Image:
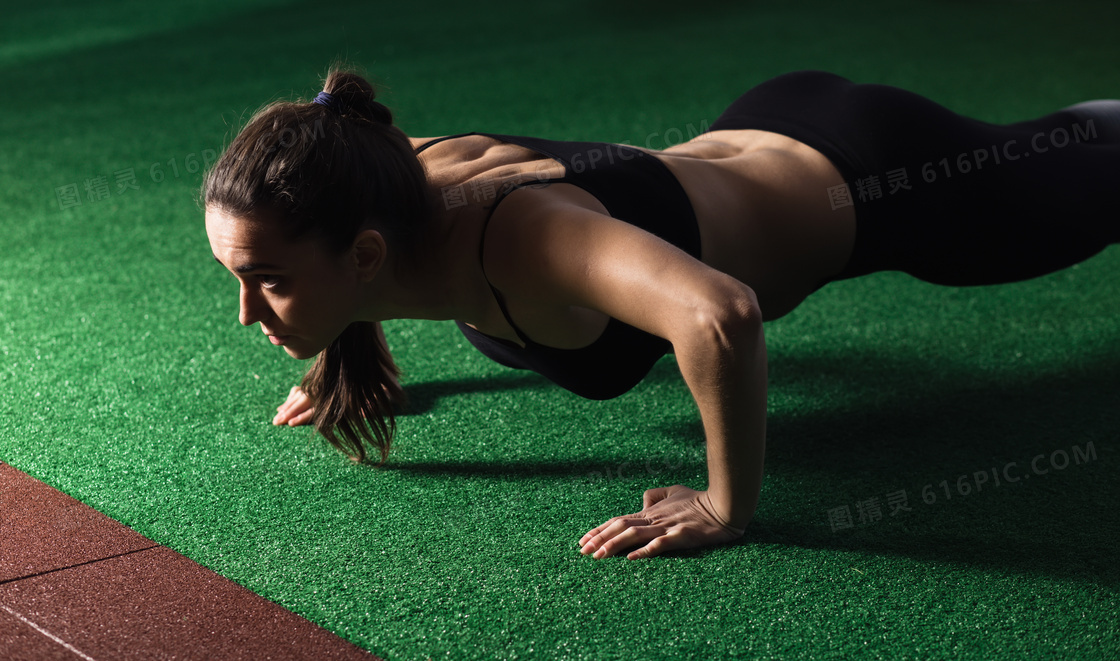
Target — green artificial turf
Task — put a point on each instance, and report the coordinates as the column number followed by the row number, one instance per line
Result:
column 126, row 381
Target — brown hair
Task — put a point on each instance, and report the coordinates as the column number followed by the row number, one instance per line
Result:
column 326, row 173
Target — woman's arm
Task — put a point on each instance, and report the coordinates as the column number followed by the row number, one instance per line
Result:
column 724, row 364
column 554, row 251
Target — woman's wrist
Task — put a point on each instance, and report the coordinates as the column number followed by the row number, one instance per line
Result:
column 734, row 520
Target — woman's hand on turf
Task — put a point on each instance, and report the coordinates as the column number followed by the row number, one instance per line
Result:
column 296, row 411
column 672, row 518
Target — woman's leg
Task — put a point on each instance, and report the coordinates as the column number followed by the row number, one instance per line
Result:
column 946, row 198
column 1105, row 115
column 956, row 201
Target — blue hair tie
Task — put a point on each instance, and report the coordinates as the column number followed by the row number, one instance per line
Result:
column 329, row 101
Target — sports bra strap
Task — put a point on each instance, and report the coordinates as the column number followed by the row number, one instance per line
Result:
column 498, row 297
column 533, row 144
column 446, row 137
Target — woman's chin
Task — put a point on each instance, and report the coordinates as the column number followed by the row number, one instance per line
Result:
column 300, row 351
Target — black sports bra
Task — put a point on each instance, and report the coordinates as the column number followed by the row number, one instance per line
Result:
column 637, row 188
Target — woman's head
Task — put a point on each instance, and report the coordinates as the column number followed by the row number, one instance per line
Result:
column 303, row 206
column 325, row 171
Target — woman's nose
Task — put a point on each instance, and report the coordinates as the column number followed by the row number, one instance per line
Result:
column 252, row 307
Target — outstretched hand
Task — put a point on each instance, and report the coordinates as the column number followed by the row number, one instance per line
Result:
column 672, row 518
column 297, row 410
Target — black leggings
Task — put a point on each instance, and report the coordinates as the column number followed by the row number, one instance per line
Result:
column 949, row 199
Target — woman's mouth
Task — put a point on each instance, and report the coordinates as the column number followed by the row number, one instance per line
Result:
column 278, row 339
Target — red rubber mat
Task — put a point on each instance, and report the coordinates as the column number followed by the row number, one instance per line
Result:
column 74, row 584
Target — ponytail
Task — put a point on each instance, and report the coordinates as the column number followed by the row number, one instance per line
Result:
column 354, row 386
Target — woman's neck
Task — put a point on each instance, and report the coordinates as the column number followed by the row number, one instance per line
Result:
column 440, row 279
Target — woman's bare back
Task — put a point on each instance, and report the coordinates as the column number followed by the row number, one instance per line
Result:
column 760, row 200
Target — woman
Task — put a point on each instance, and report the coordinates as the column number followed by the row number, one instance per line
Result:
column 587, row 262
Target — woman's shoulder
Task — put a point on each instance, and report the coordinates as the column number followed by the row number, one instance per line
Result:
column 475, row 167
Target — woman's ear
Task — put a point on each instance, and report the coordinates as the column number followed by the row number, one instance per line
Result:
column 369, row 254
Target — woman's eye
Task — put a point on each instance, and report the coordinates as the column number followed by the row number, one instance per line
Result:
column 269, row 281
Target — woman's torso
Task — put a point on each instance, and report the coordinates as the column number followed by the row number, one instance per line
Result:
column 760, row 200
column 762, row 205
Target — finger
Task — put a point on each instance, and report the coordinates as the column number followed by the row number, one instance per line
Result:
column 610, row 530
column 291, row 395
column 296, row 403
column 626, row 539
column 663, row 544
column 602, row 530
column 286, row 413
column 295, row 394
column 585, row 542
column 595, row 531
column 601, row 527
column 295, row 397
column 302, row 418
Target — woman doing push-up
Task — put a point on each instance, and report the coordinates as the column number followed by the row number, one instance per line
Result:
column 589, row 261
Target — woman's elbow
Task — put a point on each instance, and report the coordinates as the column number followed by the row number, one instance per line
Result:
column 732, row 321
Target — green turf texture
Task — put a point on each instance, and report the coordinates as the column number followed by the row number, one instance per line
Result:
column 126, row 381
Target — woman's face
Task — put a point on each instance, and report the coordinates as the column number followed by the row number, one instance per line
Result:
column 302, row 295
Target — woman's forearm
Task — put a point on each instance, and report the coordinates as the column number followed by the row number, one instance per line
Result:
column 724, row 365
